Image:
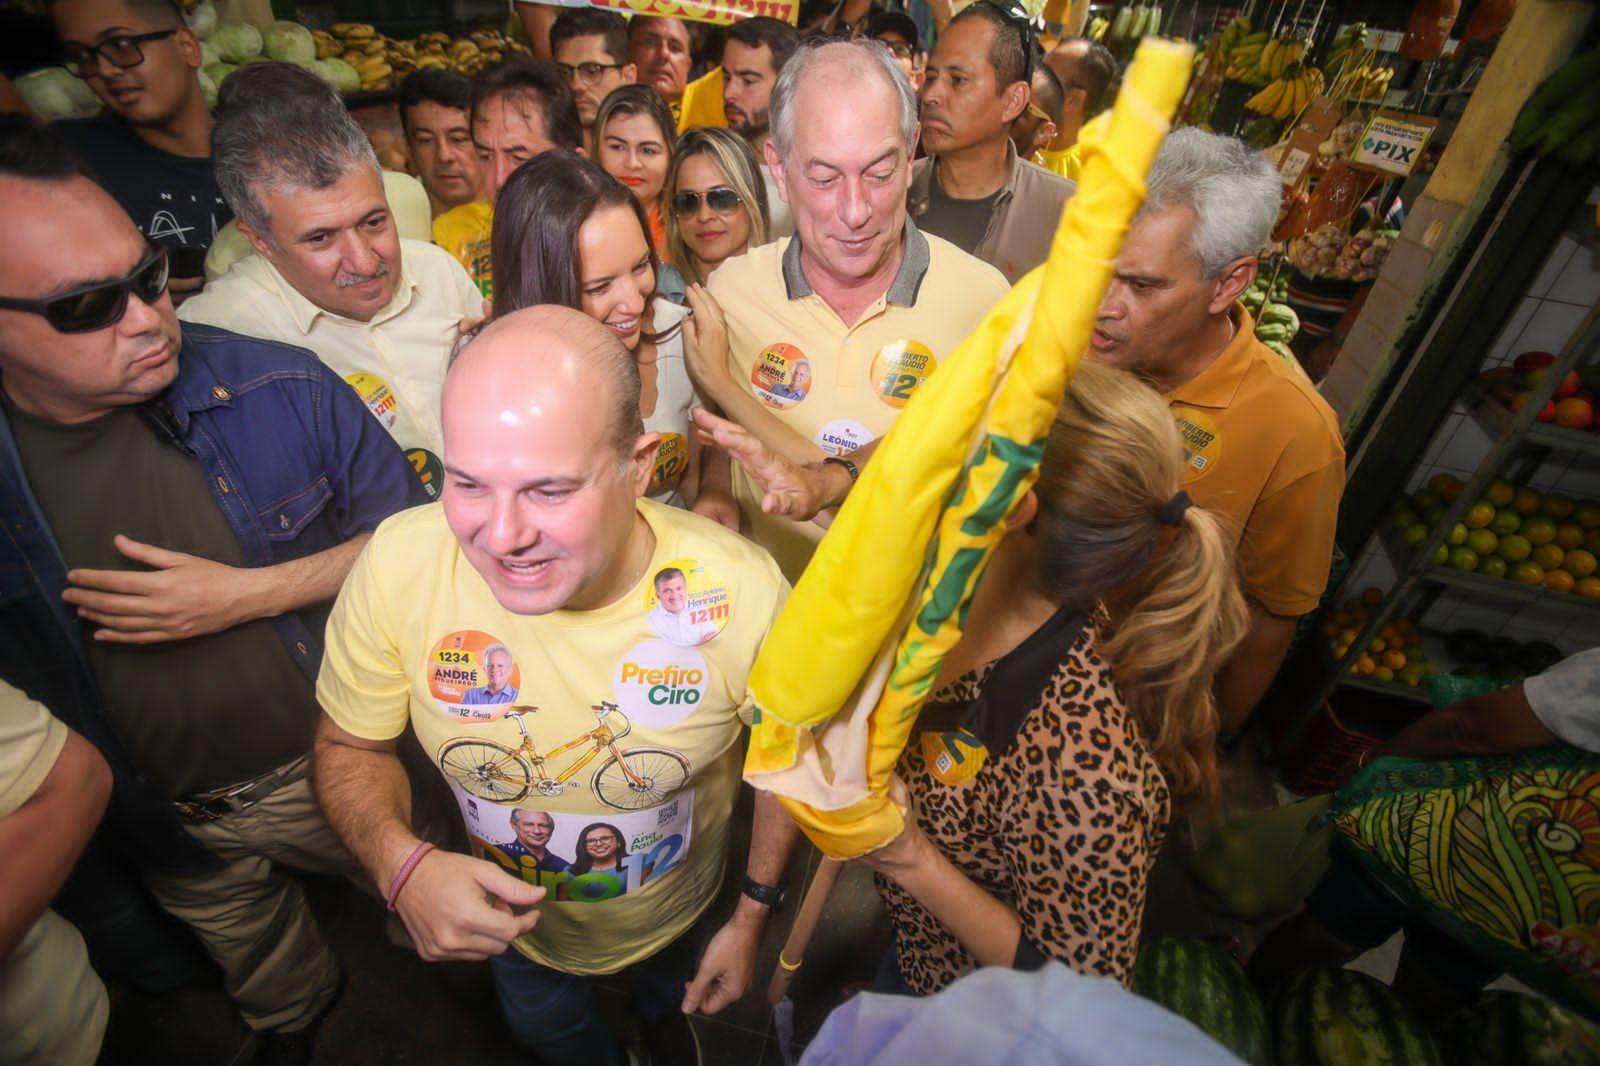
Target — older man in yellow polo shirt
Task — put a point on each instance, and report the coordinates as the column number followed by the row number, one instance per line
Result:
column 831, row 332
column 1262, row 446
column 330, row 272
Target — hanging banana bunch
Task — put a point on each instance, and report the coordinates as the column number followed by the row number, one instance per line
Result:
column 1290, row 94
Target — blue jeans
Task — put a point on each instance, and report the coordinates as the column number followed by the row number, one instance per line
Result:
column 553, row 1012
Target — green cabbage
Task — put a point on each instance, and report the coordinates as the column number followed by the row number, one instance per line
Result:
column 55, row 93
column 208, row 90
column 339, row 74
column 238, row 41
column 202, row 19
column 209, row 54
column 218, row 72
column 290, row 42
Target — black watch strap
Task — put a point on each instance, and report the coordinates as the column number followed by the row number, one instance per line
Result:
column 770, row 896
column 849, row 468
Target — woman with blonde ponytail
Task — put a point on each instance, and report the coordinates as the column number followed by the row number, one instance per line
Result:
column 1048, row 759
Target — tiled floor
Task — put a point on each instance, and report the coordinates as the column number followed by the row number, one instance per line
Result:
column 398, row 1009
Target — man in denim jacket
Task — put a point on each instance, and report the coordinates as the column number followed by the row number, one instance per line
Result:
column 180, row 506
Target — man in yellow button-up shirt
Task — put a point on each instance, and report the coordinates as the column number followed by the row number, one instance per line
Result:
column 330, row 272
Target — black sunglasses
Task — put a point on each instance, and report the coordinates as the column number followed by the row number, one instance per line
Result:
column 121, row 52
column 721, row 199
column 102, row 304
column 1014, row 14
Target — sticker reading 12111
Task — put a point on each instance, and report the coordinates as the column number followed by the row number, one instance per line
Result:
column 473, row 677
column 686, row 604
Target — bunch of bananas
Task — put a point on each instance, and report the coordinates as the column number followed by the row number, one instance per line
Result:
column 382, row 62
column 1097, row 28
column 1351, row 41
column 1289, row 95
column 1563, row 114
column 1241, row 57
column 1364, row 83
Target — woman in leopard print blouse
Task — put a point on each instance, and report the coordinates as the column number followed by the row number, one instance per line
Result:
column 1045, row 763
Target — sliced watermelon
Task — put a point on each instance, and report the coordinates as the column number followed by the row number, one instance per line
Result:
column 1508, row 1027
column 1199, row 982
column 1344, row 1018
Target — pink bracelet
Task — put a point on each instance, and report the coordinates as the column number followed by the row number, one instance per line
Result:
column 406, row 869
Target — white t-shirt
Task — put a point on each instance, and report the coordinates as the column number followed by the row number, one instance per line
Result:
column 675, row 398
column 1566, row 698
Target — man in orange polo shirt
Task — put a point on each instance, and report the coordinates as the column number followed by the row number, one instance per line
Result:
column 1262, row 446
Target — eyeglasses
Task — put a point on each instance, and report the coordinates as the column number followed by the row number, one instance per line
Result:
column 721, row 199
column 1038, row 112
column 100, row 305
column 898, row 49
column 585, row 73
column 123, row 52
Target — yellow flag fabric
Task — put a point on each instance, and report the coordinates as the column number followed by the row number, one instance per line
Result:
column 702, row 102
column 858, row 646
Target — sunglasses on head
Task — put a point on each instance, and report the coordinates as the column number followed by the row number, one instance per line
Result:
column 101, row 304
column 1014, row 14
column 722, row 200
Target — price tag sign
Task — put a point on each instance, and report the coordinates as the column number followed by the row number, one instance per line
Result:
column 1301, row 150
column 1392, row 142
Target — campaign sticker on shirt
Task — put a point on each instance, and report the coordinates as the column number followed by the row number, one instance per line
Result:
column 955, row 757
column 686, row 603
column 378, row 397
column 899, row 369
column 781, row 376
column 429, row 471
column 659, row 684
column 842, row 436
column 1202, row 443
column 584, row 858
column 473, row 676
column 672, row 462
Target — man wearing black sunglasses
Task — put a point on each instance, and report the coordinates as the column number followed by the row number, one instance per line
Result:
column 151, row 149
column 182, row 504
column 973, row 189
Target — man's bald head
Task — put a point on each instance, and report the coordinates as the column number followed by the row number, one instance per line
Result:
column 1086, row 69
column 537, row 348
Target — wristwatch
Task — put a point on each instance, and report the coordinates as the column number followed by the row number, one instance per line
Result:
column 769, row 896
column 849, row 468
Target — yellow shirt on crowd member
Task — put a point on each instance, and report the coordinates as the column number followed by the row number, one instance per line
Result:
column 842, row 386
column 1068, row 162
column 1264, row 448
column 408, row 203
column 465, row 232
column 396, row 361
column 53, row 1009
column 664, row 689
column 702, row 102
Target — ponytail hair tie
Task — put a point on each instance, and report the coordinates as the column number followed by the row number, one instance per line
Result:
column 1171, row 513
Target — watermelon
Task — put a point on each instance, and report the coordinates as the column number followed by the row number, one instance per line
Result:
column 1507, row 1027
column 1199, row 982
column 1345, row 1018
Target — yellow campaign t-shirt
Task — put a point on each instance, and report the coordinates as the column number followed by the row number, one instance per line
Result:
column 595, row 753
column 464, row 232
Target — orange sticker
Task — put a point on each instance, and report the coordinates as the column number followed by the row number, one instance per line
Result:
column 781, row 376
column 899, row 369
column 1202, row 443
column 473, row 676
column 672, row 462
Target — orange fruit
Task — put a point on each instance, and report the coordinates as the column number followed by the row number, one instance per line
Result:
column 1396, row 660
column 1494, row 566
column 1514, row 548
column 1558, row 507
column 1365, row 665
column 1539, row 530
column 1548, row 556
column 1589, row 587
column 1483, row 541
column 1579, row 563
column 1441, row 555
column 1377, row 645
column 1559, row 580
column 1505, row 521
column 1383, row 673
column 1591, row 541
column 1588, row 515
column 1501, row 493
column 1463, row 558
column 1527, row 572
column 1528, row 501
column 1479, row 515
column 1569, row 535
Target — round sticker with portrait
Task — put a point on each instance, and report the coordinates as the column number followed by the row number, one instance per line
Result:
column 781, row 376
column 378, row 397
column 899, row 369
column 672, row 462
column 686, row 604
column 473, row 676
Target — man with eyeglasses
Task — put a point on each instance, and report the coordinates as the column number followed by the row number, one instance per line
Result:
column 898, row 33
column 182, row 504
column 591, row 52
column 330, row 271
column 973, row 189
column 753, row 56
column 151, row 149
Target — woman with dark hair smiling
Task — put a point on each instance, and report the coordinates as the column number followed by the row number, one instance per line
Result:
column 600, row 847
column 568, row 233
column 633, row 136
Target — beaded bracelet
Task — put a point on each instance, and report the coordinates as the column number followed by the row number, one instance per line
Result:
column 406, row 869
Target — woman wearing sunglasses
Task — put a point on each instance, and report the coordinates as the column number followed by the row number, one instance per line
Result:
column 633, row 134
column 568, row 233
column 717, row 204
